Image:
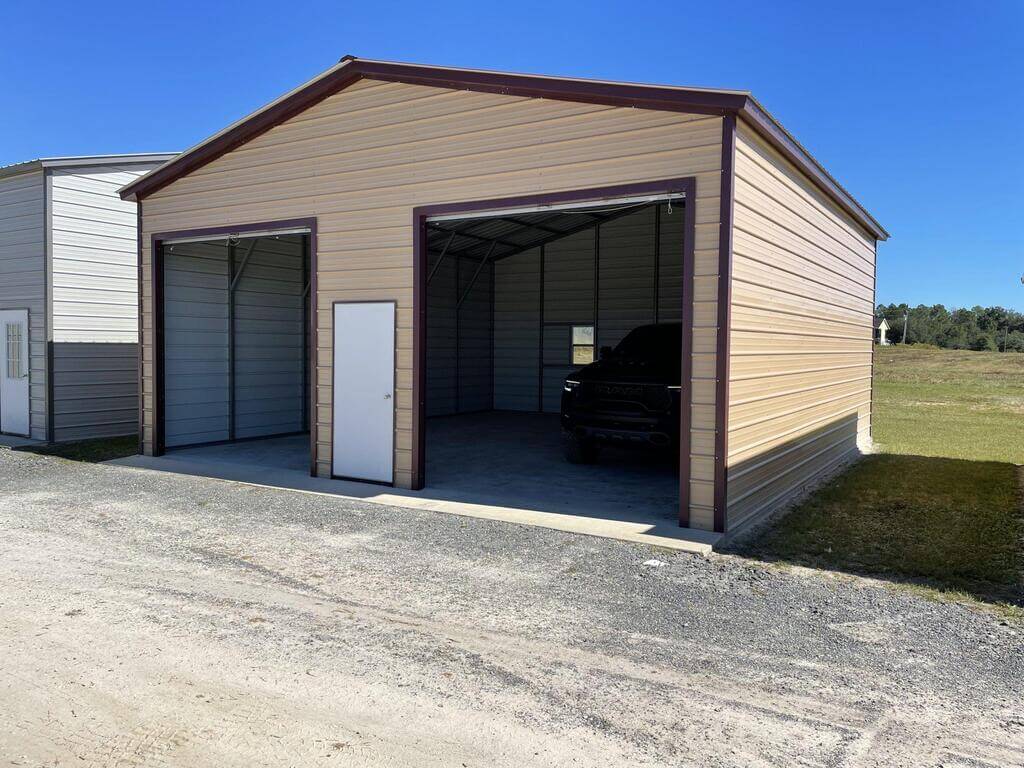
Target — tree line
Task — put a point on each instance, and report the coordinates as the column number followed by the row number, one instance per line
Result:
column 993, row 329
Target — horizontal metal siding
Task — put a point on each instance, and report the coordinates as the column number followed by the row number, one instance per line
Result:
column 93, row 254
column 801, row 330
column 95, row 390
column 362, row 159
column 196, row 343
column 23, row 278
column 268, row 306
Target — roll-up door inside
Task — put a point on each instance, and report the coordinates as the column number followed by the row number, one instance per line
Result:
column 235, row 339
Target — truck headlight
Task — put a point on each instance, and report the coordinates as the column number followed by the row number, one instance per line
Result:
column 570, row 385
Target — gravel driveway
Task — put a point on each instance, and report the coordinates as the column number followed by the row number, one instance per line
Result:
column 148, row 619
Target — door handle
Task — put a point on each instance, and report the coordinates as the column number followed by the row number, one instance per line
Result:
column 387, row 395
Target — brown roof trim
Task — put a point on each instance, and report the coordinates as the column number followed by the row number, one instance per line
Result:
column 769, row 128
column 658, row 97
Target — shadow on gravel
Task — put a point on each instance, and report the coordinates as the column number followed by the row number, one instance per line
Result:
column 945, row 524
column 92, row 451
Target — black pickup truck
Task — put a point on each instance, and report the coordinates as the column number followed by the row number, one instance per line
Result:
column 629, row 397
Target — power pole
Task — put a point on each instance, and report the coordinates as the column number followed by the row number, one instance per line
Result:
column 905, row 316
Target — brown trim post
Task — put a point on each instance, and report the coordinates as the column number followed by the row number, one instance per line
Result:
column 141, row 331
column 156, row 258
column 722, row 342
column 686, row 374
column 687, row 186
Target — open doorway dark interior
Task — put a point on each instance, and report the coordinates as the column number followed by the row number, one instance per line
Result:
column 516, row 303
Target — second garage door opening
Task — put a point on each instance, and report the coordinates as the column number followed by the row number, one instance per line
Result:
column 236, row 347
column 519, row 304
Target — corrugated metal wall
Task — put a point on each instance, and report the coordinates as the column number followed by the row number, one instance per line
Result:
column 801, row 333
column 362, row 159
column 621, row 268
column 517, row 332
column 95, row 390
column 269, row 322
column 458, row 383
column 267, row 332
column 93, row 249
column 23, row 277
column 93, row 261
column 196, row 401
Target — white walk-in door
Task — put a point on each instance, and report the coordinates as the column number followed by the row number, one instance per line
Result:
column 14, row 377
column 364, row 390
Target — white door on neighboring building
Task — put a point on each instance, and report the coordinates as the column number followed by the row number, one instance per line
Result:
column 364, row 391
column 14, row 376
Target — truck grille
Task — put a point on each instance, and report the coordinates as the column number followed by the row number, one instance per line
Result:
column 625, row 397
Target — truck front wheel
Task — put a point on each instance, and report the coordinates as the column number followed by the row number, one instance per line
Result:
column 579, row 450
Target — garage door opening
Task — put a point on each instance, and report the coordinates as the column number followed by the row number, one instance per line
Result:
column 518, row 302
column 236, row 348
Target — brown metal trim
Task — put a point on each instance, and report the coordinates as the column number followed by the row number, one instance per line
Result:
column 686, row 377
column 394, row 389
column 156, row 260
column 637, row 96
column 157, row 279
column 140, row 315
column 780, row 138
column 314, row 348
column 674, row 99
column 687, row 186
column 419, row 351
column 722, row 342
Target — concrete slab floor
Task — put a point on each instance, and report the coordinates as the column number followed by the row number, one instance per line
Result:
column 497, row 465
column 14, row 441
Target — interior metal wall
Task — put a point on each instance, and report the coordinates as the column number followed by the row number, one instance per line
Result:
column 269, row 352
column 195, row 343
column 459, row 337
column 636, row 278
column 234, row 362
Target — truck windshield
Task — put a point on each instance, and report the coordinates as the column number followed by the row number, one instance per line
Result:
column 651, row 342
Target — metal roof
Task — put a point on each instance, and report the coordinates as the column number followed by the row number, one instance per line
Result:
column 28, row 166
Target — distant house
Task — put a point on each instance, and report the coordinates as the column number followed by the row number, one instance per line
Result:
column 69, row 297
column 880, row 332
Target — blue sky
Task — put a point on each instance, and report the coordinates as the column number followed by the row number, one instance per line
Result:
column 914, row 107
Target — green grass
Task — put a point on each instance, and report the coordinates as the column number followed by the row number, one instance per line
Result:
column 940, row 506
column 90, row 450
column 937, row 402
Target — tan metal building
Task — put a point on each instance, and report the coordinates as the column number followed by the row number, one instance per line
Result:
column 299, row 252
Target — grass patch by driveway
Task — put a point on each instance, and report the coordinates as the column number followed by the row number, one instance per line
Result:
column 103, row 449
column 941, row 504
column 954, row 523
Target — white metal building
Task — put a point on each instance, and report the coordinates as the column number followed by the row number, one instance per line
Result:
column 69, row 297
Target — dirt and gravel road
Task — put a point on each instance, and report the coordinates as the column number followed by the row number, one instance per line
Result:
column 153, row 620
